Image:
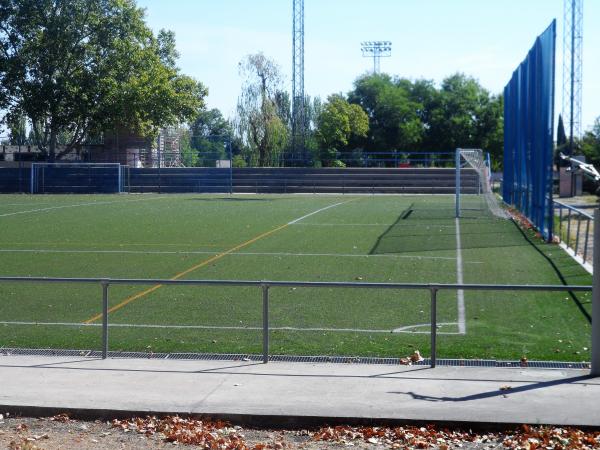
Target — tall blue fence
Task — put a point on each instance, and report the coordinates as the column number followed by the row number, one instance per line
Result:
column 529, row 134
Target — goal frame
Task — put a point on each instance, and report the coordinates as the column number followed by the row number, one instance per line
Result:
column 36, row 166
column 458, row 163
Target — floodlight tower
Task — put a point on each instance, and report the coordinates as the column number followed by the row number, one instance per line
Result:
column 298, row 100
column 376, row 50
column 572, row 67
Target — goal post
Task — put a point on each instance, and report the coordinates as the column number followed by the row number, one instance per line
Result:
column 75, row 177
column 473, row 188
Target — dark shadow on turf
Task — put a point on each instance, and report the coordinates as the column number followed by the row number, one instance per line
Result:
column 556, row 270
column 419, row 230
column 232, row 199
column 379, row 243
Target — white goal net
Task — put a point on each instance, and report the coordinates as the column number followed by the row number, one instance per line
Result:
column 474, row 194
column 77, row 178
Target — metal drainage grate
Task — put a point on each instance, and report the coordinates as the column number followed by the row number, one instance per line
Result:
column 294, row 358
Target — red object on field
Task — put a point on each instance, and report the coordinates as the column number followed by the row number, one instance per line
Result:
column 404, row 165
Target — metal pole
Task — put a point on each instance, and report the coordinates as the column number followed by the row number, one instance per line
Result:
column 596, row 299
column 587, row 237
column 457, row 183
column 433, row 327
column 577, row 237
column 32, row 174
column 568, row 227
column 560, row 226
column 230, row 168
column 572, row 91
column 104, row 285
column 265, row 290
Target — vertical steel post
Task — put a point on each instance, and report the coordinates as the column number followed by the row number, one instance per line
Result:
column 457, row 183
column 230, row 167
column 587, row 238
column 569, row 227
column 104, row 285
column 578, row 230
column 119, row 181
column 433, row 326
column 265, row 291
column 596, row 299
column 560, row 221
column 32, row 175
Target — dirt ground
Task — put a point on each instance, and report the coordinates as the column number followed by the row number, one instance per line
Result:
column 60, row 432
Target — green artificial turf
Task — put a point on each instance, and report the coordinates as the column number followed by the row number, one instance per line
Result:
column 361, row 238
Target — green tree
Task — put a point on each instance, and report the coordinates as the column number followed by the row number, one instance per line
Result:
column 465, row 114
column 394, row 123
column 590, row 144
column 261, row 129
column 80, row 67
column 338, row 123
column 18, row 130
column 211, row 134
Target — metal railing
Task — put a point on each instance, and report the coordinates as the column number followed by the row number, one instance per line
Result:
column 266, row 285
column 574, row 218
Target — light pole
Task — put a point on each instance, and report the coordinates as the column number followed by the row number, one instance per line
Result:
column 376, row 50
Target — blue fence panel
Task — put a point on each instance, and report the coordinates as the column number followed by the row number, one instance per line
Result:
column 529, row 134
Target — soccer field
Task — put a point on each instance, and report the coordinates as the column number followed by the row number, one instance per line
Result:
column 368, row 238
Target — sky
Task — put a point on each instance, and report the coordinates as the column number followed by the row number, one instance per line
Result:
column 430, row 39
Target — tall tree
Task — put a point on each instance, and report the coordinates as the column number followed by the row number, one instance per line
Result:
column 337, row 124
column 18, row 130
column 455, row 120
column 259, row 125
column 590, row 144
column 393, row 115
column 80, row 67
column 210, row 136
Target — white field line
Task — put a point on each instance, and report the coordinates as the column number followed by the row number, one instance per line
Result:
column 295, row 221
column 50, row 208
column 156, row 252
column 408, row 328
column 232, row 328
column 460, row 294
column 370, row 225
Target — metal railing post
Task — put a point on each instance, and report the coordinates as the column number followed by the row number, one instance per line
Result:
column 595, row 366
column 587, row 238
column 433, row 326
column 265, row 291
column 104, row 285
column 560, row 226
column 569, row 227
column 578, row 231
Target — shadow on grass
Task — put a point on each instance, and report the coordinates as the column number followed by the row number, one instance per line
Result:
column 555, row 266
column 232, row 199
column 419, row 230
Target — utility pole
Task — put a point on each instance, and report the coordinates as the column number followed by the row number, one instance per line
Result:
column 298, row 100
column 572, row 68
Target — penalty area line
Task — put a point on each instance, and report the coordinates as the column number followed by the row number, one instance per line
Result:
column 208, row 261
column 51, row 208
column 199, row 252
column 405, row 329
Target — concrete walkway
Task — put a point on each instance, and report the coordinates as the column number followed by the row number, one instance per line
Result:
column 298, row 394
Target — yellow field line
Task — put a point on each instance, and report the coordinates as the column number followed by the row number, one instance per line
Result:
column 206, row 262
column 185, row 272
